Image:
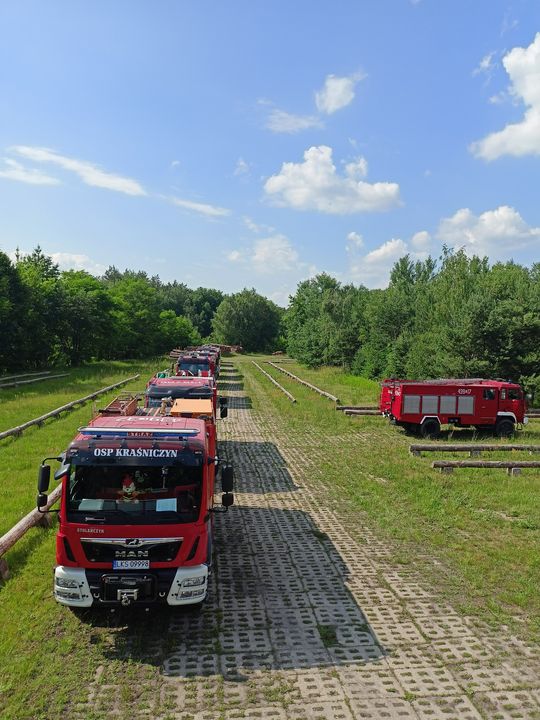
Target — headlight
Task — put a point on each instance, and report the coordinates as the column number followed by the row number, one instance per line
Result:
column 68, row 595
column 65, row 583
column 194, row 581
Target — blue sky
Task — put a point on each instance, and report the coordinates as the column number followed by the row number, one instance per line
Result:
column 257, row 143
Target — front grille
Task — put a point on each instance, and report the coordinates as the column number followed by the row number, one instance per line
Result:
column 107, row 551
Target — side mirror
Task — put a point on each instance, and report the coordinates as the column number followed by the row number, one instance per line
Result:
column 227, row 499
column 227, row 479
column 223, row 412
column 41, row 500
column 44, row 478
column 223, row 401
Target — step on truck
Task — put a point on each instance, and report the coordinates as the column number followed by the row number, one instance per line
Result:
column 421, row 407
column 137, row 507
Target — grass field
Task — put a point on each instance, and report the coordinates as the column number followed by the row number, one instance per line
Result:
column 483, row 524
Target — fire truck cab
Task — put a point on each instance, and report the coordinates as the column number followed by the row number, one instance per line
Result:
column 136, row 509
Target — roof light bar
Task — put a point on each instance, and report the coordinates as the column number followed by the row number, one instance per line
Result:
column 139, row 432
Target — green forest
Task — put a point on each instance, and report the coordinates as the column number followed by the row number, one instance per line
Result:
column 456, row 316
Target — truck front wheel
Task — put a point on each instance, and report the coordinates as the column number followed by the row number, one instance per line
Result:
column 504, row 428
column 430, row 428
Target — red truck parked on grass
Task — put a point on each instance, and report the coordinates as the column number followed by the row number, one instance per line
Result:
column 137, row 504
column 423, row 406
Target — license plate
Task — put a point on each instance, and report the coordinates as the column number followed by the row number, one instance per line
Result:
column 131, row 564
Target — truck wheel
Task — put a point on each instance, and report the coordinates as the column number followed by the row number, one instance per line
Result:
column 430, row 428
column 504, row 428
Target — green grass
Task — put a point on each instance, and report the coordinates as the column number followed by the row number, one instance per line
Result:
column 47, row 655
column 482, row 525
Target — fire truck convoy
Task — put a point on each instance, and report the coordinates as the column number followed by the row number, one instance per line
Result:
column 422, row 407
column 137, row 502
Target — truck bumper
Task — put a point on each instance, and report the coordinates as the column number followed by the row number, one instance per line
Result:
column 82, row 588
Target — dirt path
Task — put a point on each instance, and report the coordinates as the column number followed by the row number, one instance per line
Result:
column 309, row 616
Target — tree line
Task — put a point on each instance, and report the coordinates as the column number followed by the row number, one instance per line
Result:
column 49, row 317
column 453, row 317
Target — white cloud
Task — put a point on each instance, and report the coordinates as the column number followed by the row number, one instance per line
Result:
column 274, row 254
column 70, row 261
column 280, row 121
column 88, row 173
column 354, row 241
column 495, row 233
column 257, row 227
column 175, row 163
column 315, row 185
column 486, row 65
column 202, row 208
column 421, row 241
column 242, row 167
column 521, row 138
column 358, row 168
column 337, row 92
column 271, row 255
column 373, row 269
column 17, row 171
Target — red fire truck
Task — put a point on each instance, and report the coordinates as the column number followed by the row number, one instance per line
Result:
column 196, row 364
column 176, row 386
column 137, row 504
column 422, row 407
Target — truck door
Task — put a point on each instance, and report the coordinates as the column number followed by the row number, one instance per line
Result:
column 488, row 405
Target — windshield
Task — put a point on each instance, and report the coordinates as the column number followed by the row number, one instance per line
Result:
column 134, row 494
column 194, row 367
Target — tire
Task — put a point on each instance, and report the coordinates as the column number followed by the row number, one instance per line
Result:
column 504, row 428
column 430, row 428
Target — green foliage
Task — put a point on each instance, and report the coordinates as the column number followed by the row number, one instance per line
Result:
column 49, row 317
column 247, row 319
column 461, row 319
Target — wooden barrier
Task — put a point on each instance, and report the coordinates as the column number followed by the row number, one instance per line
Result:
column 23, row 375
column 346, row 408
column 33, row 518
column 473, row 449
column 362, row 412
column 40, row 420
column 275, row 382
column 513, row 467
column 304, row 382
column 16, row 383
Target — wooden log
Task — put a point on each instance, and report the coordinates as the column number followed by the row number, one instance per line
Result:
column 16, row 383
column 23, row 375
column 486, row 464
column 361, row 412
column 275, row 382
column 345, row 408
column 470, row 447
column 304, row 382
column 53, row 413
column 33, row 518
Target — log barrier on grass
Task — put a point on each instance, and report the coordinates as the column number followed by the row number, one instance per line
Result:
column 275, row 382
column 40, row 420
column 304, row 382
column 475, row 449
column 513, row 467
column 16, row 383
column 346, row 408
column 33, row 518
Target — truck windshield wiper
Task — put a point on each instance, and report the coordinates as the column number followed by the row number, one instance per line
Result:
column 89, row 519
